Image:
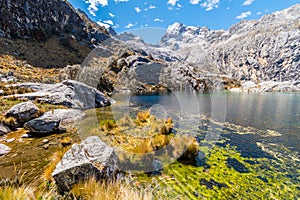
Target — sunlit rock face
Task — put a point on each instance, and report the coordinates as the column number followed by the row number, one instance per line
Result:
column 256, row 50
column 41, row 19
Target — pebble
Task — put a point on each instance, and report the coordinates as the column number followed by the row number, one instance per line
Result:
column 25, row 135
column 10, row 140
column 45, row 141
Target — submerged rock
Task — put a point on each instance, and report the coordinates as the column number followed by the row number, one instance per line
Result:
column 91, row 158
column 54, row 121
column 209, row 184
column 4, row 149
column 235, row 164
column 23, row 112
column 70, row 93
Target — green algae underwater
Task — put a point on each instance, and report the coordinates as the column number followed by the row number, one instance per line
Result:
column 243, row 162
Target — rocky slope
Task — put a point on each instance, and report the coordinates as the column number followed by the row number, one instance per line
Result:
column 29, row 28
column 262, row 50
column 265, row 50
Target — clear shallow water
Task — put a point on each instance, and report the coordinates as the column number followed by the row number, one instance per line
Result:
column 278, row 112
column 248, row 144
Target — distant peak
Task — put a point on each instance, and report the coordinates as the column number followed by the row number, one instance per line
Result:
column 175, row 28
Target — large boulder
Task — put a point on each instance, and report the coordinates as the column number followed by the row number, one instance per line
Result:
column 91, row 158
column 70, row 93
column 54, row 121
column 4, row 130
column 23, row 112
column 4, row 149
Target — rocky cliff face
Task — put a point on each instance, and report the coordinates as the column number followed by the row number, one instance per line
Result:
column 47, row 33
column 262, row 50
column 40, row 19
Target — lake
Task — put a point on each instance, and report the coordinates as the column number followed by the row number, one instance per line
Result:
column 249, row 143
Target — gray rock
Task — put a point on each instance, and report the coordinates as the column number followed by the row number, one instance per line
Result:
column 91, row 158
column 43, row 126
column 4, row 130
column 54, row 121
column 70, row 93
column 4, row 149
column 32, row 86
column 23, row 112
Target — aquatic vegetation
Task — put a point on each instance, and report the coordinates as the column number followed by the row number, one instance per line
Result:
column 108, row 125
column 216, row 180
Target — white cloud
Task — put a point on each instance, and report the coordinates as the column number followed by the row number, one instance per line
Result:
column 137, row 9
column 179, row 5
column 111, row 15
column 121, row 1
column 109, row 22
column 244, row 15
column 227, row 8
column 194, row 2
column 248, row 2
column 152, row 7
column 172, row 2
column 259, row 13
column 210, row 4
column 93, row 7
column 103, row 24
column 158, row 20
column 129, row 25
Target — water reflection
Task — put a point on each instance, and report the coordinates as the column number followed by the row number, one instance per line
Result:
column 264, row 111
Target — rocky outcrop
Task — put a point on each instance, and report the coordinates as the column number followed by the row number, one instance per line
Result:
column 262, row 50
column 70, row 93
column 270, row 86
column 258, row 50
column 42, row 19
column 23, row 112
column 91, row 158
column 4, row 130
column 53, row 121
column 4, row 149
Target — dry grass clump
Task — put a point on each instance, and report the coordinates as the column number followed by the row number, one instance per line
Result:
column 24, row 72
column 142, row 118
column 108, row 125
column 8, row 121
column 17, row 193
column 10, row 90
column 66, row 141
column 93, row 189
column 55, row 159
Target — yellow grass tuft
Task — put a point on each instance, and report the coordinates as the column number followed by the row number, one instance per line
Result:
column 66, row 141
column 8, row 121
column 108, row 125
column 13, row 193
column 142, row 117
column 93, row 189
column 55, row 159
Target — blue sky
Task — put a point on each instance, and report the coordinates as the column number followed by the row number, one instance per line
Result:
column 128, row 15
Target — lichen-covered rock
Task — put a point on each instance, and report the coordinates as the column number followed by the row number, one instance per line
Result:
column 53, row 121
column 70, row 93
column 4, row 130
column 91, row 158
column 4, row 149
column 23, row 112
